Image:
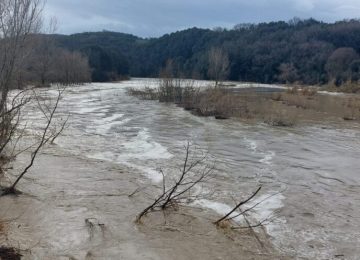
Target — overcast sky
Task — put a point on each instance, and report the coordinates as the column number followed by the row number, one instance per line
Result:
column 150, row 18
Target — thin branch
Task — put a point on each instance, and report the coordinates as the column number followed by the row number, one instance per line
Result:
column 237, row 206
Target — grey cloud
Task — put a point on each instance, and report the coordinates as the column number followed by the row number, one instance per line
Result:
column 155, row 17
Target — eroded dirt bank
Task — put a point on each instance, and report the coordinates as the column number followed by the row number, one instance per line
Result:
column 74, row 208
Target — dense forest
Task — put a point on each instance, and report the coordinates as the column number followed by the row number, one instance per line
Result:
column 302, row 51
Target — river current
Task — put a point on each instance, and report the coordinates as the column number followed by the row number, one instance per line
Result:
column 310, row 174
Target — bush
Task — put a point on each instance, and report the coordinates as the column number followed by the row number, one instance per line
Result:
column 144, row 94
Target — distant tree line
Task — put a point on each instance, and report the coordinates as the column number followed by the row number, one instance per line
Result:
column 46, row 63
column 301, row 51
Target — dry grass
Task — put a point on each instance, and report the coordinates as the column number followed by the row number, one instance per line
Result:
column 280, row 118
column 276, row 109
column 281, row 108
column 343, row 106
column 347, row 87
column 304, row 91
column 144, row 94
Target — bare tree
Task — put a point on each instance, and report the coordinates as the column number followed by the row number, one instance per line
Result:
column 48, row 134
column 287, row 73
column 11, row 119
column 72, row 68
column 218, row 65
column 19, row 21
column 18, row 18
column 43, row 56
column 338, row 65
column 192, row 174
column 168, row 83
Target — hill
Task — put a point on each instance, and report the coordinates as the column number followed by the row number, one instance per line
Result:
column 303, row 51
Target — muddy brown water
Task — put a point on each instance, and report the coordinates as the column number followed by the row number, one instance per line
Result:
column 76, row 206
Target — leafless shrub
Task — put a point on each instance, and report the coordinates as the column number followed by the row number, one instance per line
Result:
column 280, row 118
column 168, row 84
column 175, row 90
column 292, row 90
column 309, row 91
column 207, row 101
column 190, row 95
column 244, row 209
column 230, row 216
column 194, row 172
column 49, row 133
column 221, row 103
column 146, row 93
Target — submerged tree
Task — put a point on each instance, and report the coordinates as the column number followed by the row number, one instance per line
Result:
column 19, row 18
column 20, row 23
column 193, row 173
column 218, row 65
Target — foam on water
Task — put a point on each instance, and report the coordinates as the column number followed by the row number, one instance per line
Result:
column 220, row 208
column 105, row 124
column 262, row 208
column 105, row 127
column 135, row 152
column 251, row 144
column 154, row 175
column 87, row 110
column 144, row 147
column 265, row 207
column 268, row 158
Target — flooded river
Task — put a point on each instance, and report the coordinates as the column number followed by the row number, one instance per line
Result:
column 310, row 174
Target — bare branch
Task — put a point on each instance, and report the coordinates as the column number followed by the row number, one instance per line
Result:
column 180, row 191
column 226, row 217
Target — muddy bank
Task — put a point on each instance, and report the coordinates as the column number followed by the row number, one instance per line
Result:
column 75, row 208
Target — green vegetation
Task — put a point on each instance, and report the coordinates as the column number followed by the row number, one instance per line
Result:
column 301, row 51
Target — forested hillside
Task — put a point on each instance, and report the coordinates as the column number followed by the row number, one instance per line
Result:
column 303, row 51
